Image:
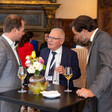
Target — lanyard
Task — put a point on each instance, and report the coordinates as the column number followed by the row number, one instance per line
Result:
column 53, row 63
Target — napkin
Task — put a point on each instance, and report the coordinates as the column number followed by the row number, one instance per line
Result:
column 51, row 94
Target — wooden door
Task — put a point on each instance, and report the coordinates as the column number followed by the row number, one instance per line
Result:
column 104, row 15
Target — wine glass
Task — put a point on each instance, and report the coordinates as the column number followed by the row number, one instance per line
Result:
column 22, row 72
column 56, row 73
column 68, row 75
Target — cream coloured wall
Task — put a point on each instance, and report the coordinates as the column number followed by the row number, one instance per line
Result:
column 70, row 9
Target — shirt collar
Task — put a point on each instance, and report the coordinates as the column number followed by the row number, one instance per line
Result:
column 92, row 37
column 58, row 50
column 9, row 41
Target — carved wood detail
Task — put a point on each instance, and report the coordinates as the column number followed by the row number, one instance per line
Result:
column 104, row 3
column 38, row 14
column 105, row 15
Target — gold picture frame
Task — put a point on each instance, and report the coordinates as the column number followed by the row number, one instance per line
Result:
column 24, row 2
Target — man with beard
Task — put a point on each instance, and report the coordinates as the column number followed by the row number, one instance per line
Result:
column 99, row 65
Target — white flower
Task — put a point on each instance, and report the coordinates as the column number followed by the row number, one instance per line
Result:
column 35, row 64
column 27, row 57
column 31, row 69
column 28, row 63
column 38, row 66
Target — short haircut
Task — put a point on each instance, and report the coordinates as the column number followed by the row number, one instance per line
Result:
column 12, row 21
column 83, row 22
column 59, row 30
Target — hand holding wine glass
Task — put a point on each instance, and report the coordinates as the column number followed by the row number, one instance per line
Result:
column 22, row 72
column 68, row 74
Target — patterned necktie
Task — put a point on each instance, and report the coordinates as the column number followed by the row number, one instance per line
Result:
column 53, row 53
column 89, row 45
column 51, row 68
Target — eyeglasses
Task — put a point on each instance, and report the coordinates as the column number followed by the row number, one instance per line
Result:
column 48, row 37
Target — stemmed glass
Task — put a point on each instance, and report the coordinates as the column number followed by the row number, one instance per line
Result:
column 22, row 72
column 68, row 74
column 56, row 73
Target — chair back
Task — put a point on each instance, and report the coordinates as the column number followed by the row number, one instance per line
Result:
column 82, row 57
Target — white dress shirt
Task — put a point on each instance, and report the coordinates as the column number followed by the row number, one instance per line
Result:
column 91, row 39
column 57, row 62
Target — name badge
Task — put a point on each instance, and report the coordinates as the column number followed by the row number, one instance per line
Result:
column 49, row 78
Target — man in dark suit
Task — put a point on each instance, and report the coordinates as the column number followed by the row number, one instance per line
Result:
column 64, row 57
column 99, row 65
column 9, row 61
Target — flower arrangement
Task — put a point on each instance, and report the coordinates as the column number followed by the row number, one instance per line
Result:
column 35, row 64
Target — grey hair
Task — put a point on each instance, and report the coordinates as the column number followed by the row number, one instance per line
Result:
column 60, row 31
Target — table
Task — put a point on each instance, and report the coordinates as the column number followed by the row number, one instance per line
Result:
column 40, row 102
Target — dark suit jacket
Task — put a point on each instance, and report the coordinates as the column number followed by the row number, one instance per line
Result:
column 99, row 72
column 69, row 58
column 43, row 45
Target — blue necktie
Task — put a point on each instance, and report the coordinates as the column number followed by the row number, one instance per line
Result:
column 51, row 69
column 53, row 53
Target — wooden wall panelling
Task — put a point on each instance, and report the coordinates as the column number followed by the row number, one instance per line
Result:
column 105, row 20
column 104, row 15
column 65, row 25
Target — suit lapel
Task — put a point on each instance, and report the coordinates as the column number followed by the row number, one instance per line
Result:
column 63, row 56
column 18, row 55
column 92, row 45
column 9, row 49
column 46, row 56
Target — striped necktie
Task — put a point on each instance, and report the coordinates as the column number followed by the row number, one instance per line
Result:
column 53, row 58
column 51, row 68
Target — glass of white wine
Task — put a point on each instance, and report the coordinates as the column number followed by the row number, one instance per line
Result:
column 68, row 74
column 56, row 72
column 22, row 72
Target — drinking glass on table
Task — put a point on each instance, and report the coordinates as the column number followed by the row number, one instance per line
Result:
column 22, row 72
column 56, row 73
column 68, row 74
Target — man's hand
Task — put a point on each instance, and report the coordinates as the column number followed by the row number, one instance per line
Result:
column 83, row 92
column 60, row 69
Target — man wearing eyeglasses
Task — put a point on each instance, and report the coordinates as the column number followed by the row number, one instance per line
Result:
column 64, row 57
